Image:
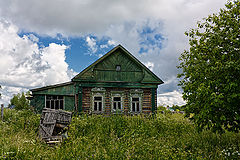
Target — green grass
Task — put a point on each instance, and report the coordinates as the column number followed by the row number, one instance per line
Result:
column 116, row 137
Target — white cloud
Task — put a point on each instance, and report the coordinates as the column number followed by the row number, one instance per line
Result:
column 103, row 46
column 122, row 21
column 149, row 65
column 111, row 42
column 170, row 98
column 91, row 16
column 7, row 93
column 24, row 65
column 91, row 42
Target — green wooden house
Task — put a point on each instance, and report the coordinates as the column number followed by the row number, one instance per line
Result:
column 115, row 83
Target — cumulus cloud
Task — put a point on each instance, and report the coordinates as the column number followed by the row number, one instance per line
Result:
column 81, row 16
column 91, row 42
column 170, row 98
column 149, row 65
column 25, row 65
column 111, row 42
column 7, row 93
column 152, row 30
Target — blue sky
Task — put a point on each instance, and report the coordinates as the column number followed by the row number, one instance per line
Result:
column 48, row 42
column 80, row 54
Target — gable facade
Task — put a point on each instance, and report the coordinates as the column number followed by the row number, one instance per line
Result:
column 115, row 83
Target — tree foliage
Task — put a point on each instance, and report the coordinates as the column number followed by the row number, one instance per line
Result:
column 211, row 71
column 20, row 102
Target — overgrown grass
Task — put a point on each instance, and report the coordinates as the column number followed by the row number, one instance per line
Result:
column 116, row 137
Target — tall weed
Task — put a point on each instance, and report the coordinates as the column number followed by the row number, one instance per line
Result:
column 164, row 136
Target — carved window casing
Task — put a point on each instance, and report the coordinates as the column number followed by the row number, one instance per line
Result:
column 98, row 100
column 54, row 102
column 136, row 99
column 117, row 101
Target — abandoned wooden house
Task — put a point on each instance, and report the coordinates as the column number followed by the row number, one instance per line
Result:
column 115, row 83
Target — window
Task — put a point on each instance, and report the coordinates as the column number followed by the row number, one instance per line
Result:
column 117, row 100
column 118, row 68
column 54, row 102
column 135, row 105
column 117, row 103
column 97, row 100
column 97, row 104
column 136, row 100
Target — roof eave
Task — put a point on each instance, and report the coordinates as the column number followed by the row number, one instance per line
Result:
column 51, row 86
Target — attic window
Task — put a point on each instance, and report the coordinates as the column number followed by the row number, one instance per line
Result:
column 118, row 68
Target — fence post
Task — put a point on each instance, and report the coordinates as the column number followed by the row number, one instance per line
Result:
column 2, row 107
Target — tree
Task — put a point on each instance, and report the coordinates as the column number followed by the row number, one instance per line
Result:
column 211, row 70
column 20, row 102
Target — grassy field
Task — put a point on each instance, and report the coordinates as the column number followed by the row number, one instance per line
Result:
column 166, row 136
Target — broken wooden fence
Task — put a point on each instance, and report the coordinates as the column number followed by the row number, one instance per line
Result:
column 52, row 124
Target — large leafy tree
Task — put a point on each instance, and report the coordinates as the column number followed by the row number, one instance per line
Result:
column 210, row 75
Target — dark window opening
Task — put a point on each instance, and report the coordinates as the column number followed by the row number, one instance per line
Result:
column 52, row 104
column 138, row 109
column 95, row 106
column 135, row 99
column 119, row 105
column 48, row 104
column 56, row 104
column 133, row 107
column 97, row 98
column 61, row 103
column 117, row 98
column 100, row 106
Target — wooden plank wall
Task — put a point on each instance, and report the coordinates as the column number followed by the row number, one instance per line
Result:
column 86, row 99
column 146, row 108
column 147, row 105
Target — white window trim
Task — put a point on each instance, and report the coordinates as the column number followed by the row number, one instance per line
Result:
column 136, row 93
column 98, row 92
column 117, row 94
column 98, row 101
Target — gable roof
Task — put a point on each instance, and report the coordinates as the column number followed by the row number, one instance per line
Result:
column 155, row 79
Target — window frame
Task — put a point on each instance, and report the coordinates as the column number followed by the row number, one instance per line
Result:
column 52, row 100
column 136, row 102
column 97, row 111
column 118, row 68
column 97, row 92
column 136, row 93
column 117, row 94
